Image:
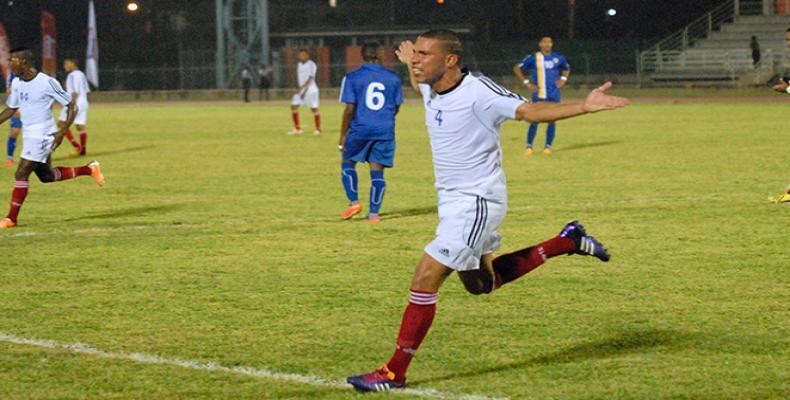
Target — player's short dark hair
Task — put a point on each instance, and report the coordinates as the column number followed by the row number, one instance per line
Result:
column 788, row 30
column 24, row 53
column 72, row 60
column 546, row 36
column 304, row 49
column 450, row 41
column 371, row 50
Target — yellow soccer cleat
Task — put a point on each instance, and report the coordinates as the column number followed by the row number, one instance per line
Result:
column 6, row 223
column 547, row 151
column 351, row 211
column 780, row 198
column 96, row 173
column 528, row 151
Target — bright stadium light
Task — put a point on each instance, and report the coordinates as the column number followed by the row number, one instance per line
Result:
column 132, row 7
column 611, row 12
column 333, row 3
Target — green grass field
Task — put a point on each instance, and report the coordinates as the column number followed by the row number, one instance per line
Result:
column 217, row 239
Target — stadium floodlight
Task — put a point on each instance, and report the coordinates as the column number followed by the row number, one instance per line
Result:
column 132, row 7
column 333, row 3
column 611, row 12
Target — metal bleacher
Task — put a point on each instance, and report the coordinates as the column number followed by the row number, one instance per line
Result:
column 715, row 47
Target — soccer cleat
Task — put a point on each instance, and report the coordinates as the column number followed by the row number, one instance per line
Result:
column 351, row 211
column 96, row 172
column 379, row 380
column 316, row 132
column 9, row 163
column 76, row 152
column 547, row 151
column 6, row 223
column 295, row 132
column 780, row 198
column 528, row 151
column 585, row 245
column 374, row 219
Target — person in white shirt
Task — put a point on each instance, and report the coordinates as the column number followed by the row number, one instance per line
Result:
column 306, row 93
column 784, row 86
column 77, row 87
column 463, row 114
column 33, row 93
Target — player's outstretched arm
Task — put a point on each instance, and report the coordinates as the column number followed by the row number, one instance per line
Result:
column 782, row 86
column 6, row 114
column 405, row 52
column 596, row 101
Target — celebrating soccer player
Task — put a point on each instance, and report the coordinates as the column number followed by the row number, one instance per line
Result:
column 464, row 113
column 77, row 87
column 372, row 95
column 16, row 128
column 549, row 73
column 306, row 93
column 33, row 93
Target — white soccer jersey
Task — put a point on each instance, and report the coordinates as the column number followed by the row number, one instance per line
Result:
column 77, row 82
column 306, row 70
column 34, row 99
column 463, row 124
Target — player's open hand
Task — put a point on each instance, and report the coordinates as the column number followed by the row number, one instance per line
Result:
column 782, row 86
column 560, row 83
column 532, row 87
column 405, row 51
column 598, row 100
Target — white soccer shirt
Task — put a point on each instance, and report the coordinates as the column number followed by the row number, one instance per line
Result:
column 77, row 82
column 306, row 70
column 463, row 125
column 34, row 99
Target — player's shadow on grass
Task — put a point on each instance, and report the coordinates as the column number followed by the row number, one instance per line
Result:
column 410, row 212
column 110, row 152
column 620, row 345
column 590, row 145
column 126, row 212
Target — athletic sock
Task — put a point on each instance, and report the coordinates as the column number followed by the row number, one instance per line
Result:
column 377, row 188
column 70, row 137
column 17, row 198
column 317, row 117
column 10, row 147
column 509, row 267
column 350, row 180
column 295, row 115
column 83, row 140
column 551, row 131
column 531, row 133
column 66, row 173
column 417, row 319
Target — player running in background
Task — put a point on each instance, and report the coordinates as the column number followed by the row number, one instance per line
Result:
column 77, row 87
column 549, row 72
column 464, row 114
column 372, row 95
column 33, row 93
column 16, row 128
column 306, row 93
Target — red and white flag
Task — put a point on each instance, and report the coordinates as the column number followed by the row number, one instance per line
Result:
column 92, row 58
column 49, row 44
column 5, row 49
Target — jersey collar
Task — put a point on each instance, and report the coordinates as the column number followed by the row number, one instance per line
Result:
column 465, row 73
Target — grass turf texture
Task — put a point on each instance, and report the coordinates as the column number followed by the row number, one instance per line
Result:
column 217, row 239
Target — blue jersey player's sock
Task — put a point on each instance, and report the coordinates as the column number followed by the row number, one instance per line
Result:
column 533, row 131
column 350, row 180
column 10, row 147
column 551, row 131
column 377, row 188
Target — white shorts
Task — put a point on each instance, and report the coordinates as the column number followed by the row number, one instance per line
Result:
column 37, row 148
column 82, row 114
column 466, row 231
column 309, row 98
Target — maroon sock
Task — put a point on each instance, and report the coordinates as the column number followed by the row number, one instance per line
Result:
column 17, row 198
column 71, row 139
column 317, row 117
column 83, row 140
column 295, row 115
column 509, row 267
column 66, row 173
column 417, row 319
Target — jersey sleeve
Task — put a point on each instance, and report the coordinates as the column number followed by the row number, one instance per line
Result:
column 13, row 98
column 56, row 91
column 347, row 94
column 425, row 91
column 70, row 86
column 564, row 65
column 398, row 91
column 528, row 63
column 496, row 104
column 313, row 69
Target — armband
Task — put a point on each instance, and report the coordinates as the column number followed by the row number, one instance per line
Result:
column 564, row 78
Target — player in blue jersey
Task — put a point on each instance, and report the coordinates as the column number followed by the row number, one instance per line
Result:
column 16, row 127
column 549, row 72
column 373, row 95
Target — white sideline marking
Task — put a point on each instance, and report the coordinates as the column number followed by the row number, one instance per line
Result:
column 128, row 228
column 80, row 348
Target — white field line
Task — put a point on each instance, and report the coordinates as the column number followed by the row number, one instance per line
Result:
column 79, row 348
column 129, row 228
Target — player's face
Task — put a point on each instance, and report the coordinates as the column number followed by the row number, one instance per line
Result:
column 429, row 61
column 68, row 66
column 546, row 44
column 304, row 56
column 18, row 65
